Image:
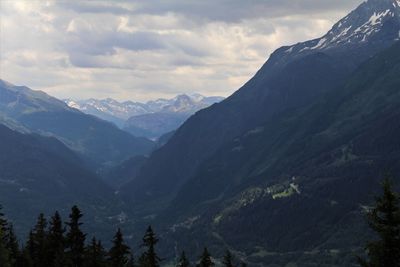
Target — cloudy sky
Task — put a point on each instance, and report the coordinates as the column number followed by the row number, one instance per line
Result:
column 141, row 50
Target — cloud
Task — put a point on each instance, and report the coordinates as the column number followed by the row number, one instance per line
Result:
column 139, row 50
column 237, row 10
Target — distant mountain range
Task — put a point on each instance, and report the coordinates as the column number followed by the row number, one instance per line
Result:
column 101, row 143
column 151, row 119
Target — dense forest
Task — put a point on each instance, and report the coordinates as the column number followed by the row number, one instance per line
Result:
column 57, row 244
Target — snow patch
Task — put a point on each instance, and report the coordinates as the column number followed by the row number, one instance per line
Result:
column 377, row 18
column 320, row 44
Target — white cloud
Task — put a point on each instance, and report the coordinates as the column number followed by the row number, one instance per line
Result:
column 140, row 50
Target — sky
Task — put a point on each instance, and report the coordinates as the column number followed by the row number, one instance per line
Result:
column 143, row 50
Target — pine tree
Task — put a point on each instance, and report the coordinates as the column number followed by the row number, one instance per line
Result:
column 30, row 246
column 228, row 259
column 119, row 253
column 149, row 257
column 38, row 243
column 95, row 256
column 56, row 241
column 75, row 238
column 4, row 254
column 205, row 260
column 183, row 261
column 12, row 244
column 384, row 219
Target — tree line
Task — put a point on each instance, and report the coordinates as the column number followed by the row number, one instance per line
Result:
column 56, row 244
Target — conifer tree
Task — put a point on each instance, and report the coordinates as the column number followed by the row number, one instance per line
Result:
column 205, row 260
column 183, row 261
column 75, row 238
column 4, row 254
column 119, row 252
column 95, row 256
column 12, row 244
column 30, row 246
column 228, row 259
column 56, row 241
column 149, row 257
column 384, row 219
column 38, row 243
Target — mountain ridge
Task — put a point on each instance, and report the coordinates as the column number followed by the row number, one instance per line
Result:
column 151, row 119
column 286, row 81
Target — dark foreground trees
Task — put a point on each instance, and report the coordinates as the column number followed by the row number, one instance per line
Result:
column 384, row 219
column 183, row 261
column 49, row 246
column 53, row 243
column 149, row 258
column 119, row 253
column 205, row 260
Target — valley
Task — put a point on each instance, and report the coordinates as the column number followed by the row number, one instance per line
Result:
column 283, row 172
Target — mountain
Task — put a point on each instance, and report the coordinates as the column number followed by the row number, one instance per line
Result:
column 100, row 142
column 292, row 77
column 303, row 179
column 168, row 116
column 281, row 171
column 40, row 174
column 151, row 119
column 109, row 109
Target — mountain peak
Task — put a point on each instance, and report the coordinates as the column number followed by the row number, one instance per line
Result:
column 372, row 21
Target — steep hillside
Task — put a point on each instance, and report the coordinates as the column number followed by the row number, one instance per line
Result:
column 40, row 174
column 124, row 172
column 297, row 192
column 303, row 184
column 293, row 77
column 154, row 125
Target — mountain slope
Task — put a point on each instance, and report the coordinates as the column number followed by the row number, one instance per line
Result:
column 292, row 77
column 301, row 180
column 40, row 174
column 154, row 125
column 99, row 141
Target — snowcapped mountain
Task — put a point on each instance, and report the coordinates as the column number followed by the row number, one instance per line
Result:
column 361, row 25
column 167, row 115
column 372, row 25
column 163, row 114
column 109, row 109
